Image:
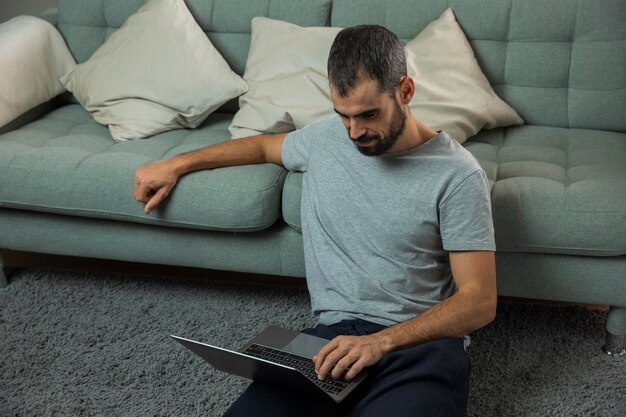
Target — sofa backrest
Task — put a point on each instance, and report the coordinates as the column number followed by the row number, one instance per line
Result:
column 86, row 24
column 557, row 62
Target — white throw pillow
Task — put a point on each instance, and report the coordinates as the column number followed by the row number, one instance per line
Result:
column 158, row 72
column 33, row 55
column 286, row 72
column 451, row 91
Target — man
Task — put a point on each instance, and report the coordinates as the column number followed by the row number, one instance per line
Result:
column 398, row 239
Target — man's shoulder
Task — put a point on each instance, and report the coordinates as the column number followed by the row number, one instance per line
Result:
column 322, row 133
column 328, row 124
column 302, row 145
column 464, row 158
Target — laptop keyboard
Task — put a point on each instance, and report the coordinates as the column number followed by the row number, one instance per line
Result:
column 302, row 364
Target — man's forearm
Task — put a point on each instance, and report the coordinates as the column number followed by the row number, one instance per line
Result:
column 229, row 153
column 454, row 317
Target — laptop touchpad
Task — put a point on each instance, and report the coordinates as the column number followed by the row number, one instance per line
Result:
column 305, row 345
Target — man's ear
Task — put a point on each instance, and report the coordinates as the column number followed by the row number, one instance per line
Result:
column 406, row 88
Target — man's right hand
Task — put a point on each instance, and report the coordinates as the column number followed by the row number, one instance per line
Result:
column 153, row 183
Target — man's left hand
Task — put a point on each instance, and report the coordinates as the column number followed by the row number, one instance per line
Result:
column 343, row 352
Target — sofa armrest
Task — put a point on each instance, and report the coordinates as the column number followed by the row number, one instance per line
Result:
column 34, row 57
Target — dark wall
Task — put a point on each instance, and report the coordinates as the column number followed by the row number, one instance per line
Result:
column 12, row 8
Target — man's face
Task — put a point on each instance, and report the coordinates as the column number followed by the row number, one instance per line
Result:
column 374, row 120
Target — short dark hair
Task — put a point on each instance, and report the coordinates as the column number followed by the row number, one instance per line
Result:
column 366, row 50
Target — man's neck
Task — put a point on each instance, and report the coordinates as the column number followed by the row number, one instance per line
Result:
column 424, row 133
column 415, row 134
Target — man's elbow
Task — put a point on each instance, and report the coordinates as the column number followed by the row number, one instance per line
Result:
column 484, row 309
column 488, row 309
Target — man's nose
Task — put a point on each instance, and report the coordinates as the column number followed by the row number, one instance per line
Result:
column 356, row 129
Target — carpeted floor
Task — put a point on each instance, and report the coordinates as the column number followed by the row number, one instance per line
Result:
column 96, row 344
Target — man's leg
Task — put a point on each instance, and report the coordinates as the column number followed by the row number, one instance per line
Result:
column 267, row 400
column 425, row 381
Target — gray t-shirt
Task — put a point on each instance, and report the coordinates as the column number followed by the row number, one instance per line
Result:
column 377, row 230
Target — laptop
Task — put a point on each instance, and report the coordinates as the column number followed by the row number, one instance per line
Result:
column 279, row 356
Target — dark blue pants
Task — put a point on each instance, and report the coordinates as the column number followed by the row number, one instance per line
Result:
column 427, row 380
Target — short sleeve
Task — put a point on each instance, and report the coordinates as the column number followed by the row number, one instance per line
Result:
column 465, row 216
column 295, row 151
column 300, row 146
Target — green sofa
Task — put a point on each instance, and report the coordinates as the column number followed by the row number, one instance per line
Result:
column 558, row 181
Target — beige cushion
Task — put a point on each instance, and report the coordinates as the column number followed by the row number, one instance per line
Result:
column 286, row 72
column 451, row 91
column 158, row 72
column 33, row 56
column 289, row 85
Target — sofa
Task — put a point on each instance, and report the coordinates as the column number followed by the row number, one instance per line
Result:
column 558, row 181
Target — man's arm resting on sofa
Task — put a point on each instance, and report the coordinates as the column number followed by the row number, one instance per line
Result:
column 153, row 182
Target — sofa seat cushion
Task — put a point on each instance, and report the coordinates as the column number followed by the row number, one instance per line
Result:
column 554, row 190
column 67, row 163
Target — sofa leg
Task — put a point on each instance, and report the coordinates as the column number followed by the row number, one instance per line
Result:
column 615, row 330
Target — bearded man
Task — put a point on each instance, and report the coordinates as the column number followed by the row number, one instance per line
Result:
column 398, row 239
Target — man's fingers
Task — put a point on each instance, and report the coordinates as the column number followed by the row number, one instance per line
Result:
column 156, row 199
column 143, row 192
column 144, row 195
column 140, row 190
column 336, row 363
column 321, row 355
column 140, row 193
column 325, row 367
column 321, row 359
column 356, row 368
column 329, row 357
column 341, row 366
column 347, row 355
column 153, row 183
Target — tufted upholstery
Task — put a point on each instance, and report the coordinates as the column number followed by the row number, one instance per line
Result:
column 67, row 163
column 86, row 24
column 563, row 66
column 555, row 189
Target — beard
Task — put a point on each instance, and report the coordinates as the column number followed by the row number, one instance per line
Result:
column 384, row 143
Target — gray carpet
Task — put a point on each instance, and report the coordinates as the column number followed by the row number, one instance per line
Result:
column 95, row 344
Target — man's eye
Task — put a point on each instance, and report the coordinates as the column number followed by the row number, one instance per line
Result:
column 370, row 115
